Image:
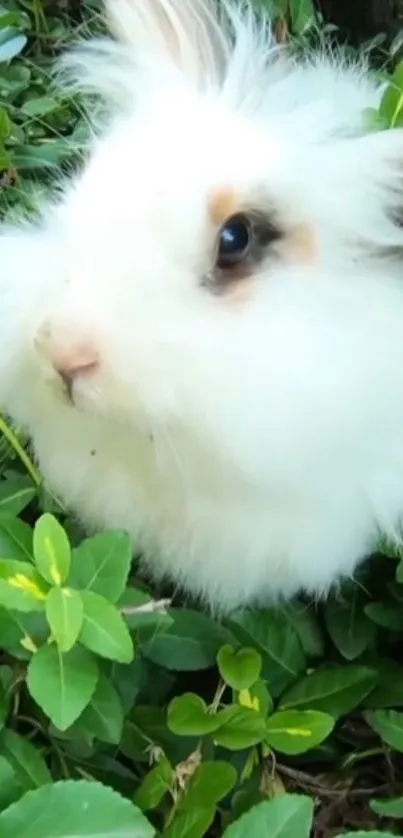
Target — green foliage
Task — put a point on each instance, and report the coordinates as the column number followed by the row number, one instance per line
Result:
column 119, row 714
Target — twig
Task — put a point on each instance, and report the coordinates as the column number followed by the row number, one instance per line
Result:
column 159, row 606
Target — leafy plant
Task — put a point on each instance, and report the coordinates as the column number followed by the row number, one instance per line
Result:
column 123, row 713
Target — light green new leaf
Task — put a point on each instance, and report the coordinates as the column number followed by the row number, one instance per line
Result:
column 62, row 684
column 65, row 615
column 21, row 587
column 52, row 551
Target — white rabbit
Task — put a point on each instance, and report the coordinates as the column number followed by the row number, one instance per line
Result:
column 203, row 335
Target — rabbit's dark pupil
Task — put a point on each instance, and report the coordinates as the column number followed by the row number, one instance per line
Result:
column 234, row 242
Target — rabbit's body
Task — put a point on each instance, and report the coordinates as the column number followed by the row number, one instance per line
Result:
column 245, row 427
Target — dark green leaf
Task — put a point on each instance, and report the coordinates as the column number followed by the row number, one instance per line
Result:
column 336, row 691
column 277, row 641
column 349, row 627
column 191, row 642
column 28, row 764
column 16, row 492
column 15, row 539
column 103, row 717
column 389, row 725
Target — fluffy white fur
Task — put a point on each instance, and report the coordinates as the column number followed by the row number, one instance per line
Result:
column 251, row 449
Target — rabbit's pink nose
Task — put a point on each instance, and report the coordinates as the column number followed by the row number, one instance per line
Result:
column 76, row 362
column 71, row 359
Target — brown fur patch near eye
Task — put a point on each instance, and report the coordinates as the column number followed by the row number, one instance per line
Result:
column 299, row 245
column 222, row 204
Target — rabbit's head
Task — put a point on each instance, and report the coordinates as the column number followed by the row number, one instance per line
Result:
column 219, row 266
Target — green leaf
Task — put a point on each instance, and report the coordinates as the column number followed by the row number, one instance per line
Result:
column 286, row 816
column 389, row 725
column 21, row 588
column 62, row 684
column 388, row 615
column 188, row 716
column 392, row 100
column 10, row 788
column 16, row 491
column 102, row 564
column 306, row 625
column 12, row 47
column 191, row 642
column 48, row 155
column 303, row 16
column 81, row 809
column 296, row 731
column 336, row 691
column 39, row 106
column 103, row 717
column 154, row 786
column 392, row 808
column 239, row 728
column 276, row 640
column 15, row 539
column 240, row 669
column 65, row 615
column 370, row 834
column 192, row 823
column 389, row 689
column 21, row 633
column 348, row 625
column 52, row 551
column 104, row 630
column 3, row 705
column 29, row 766
column 210, row 783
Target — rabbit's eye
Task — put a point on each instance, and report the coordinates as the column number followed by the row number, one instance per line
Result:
column 235, row 239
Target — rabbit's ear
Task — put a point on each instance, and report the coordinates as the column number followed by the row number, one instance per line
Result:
column 187, row 33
